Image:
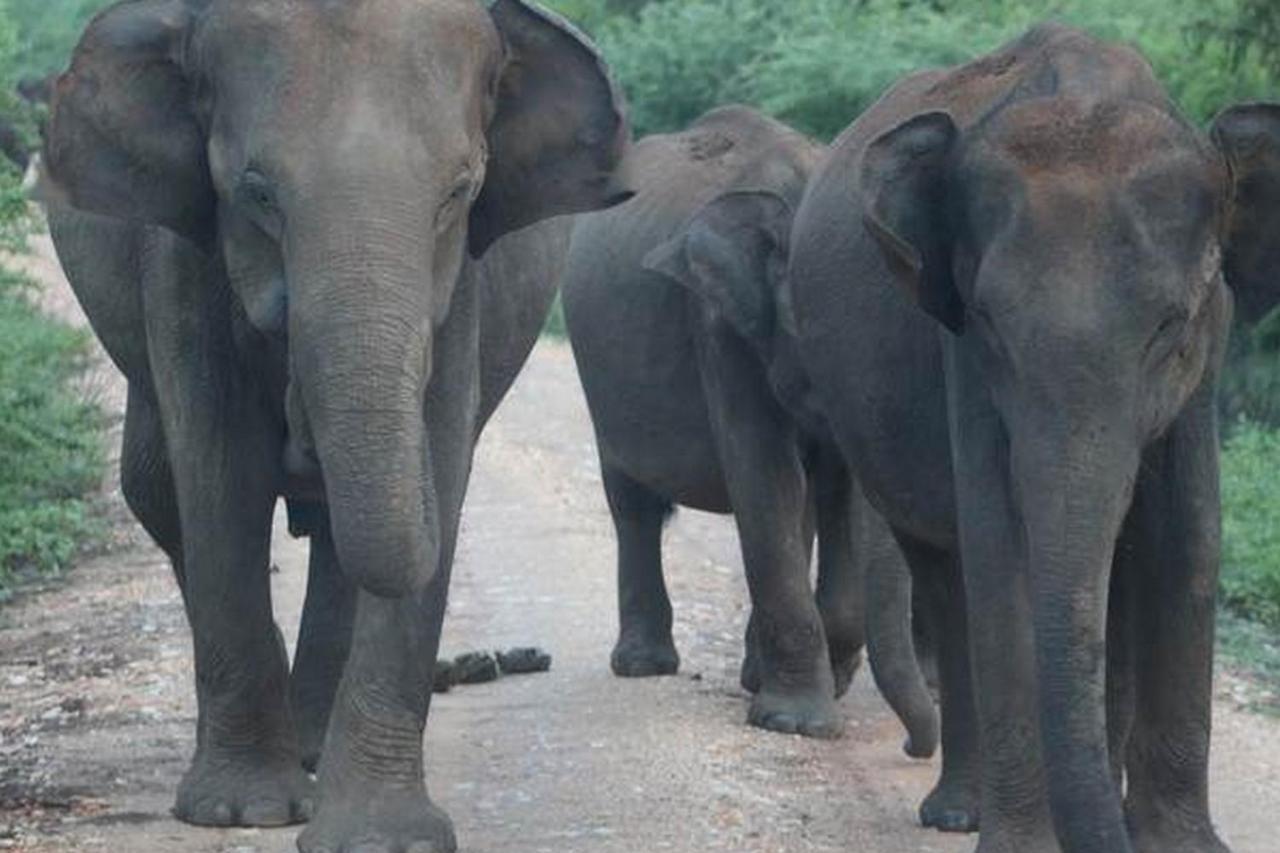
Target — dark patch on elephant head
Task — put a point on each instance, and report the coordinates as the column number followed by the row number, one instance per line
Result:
column 1248, row 135
column 906, row 177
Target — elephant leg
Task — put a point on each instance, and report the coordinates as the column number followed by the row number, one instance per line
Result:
column 644, row 647
column 749, row 676
column 1177, row 548
column 953, row 805
column 1121, row 653
column 224, row 452
column 841, row 569
column 891, row 647
column 760, row 456
column 146, row 478
column 372, row 780
column 324, row 641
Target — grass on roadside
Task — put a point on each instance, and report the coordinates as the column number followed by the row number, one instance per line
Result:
column 50, row 438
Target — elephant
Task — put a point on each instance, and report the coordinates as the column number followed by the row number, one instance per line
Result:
column 318, row 240
column 1249, row 136
column 1009, row 297
column 672, row 304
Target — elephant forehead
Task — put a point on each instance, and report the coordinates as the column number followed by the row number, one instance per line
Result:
column 340, row 37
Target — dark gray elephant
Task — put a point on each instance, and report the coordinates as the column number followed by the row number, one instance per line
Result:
column 298, row 192
column 690, row 371
column 1008, row 290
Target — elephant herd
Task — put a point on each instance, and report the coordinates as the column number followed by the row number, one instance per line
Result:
column 971, row 347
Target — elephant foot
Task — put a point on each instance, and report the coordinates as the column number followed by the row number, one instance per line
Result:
column 1042, row 842
column 311, row 742
column 749, row 676
column 391, row 820
column 952, row 806
column 812, row 714
column 643, row 657
column 1193, row 841
column 244, row 790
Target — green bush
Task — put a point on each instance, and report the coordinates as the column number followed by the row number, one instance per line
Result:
column 51, row 453
column 818, row 63
column 1251, row 524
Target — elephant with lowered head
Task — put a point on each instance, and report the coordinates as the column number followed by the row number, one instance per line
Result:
column 1009, row 292
column 676, row 310
column 285, row 220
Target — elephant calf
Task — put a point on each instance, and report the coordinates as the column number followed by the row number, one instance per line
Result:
column 674, row 309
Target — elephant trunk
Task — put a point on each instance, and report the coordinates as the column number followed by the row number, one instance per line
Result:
column 1074, row 483
column 360, row 349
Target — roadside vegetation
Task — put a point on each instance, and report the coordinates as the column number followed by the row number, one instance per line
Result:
column 51, row 453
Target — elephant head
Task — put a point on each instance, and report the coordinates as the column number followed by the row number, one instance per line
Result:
column 1070, row 249
column 733, row 255
column 339, row 158
column 1249, row 137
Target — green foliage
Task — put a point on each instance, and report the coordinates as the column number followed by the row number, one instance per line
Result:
column 50, row 438
column 51, row 452
column 46, row 32
column 1251, row 524
column 818, row 63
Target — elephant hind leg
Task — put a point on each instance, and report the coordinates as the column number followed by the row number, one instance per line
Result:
column 645, row 646
column 146, row 478
column 953, row 805
column 324, row 642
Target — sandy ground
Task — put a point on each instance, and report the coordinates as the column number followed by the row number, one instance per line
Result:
column 97, row 711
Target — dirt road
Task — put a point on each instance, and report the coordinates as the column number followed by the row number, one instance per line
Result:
column 97, row 712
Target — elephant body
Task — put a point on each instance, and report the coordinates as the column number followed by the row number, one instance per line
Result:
column 319, row 275
column 1008, row 293
column 696, row 399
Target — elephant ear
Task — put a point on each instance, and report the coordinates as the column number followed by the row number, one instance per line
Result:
column 1248, row 136
column 733, row 254
column 122, row 138
column 558, row 131
column 905, row 176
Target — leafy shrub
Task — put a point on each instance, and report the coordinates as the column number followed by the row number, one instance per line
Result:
column 51, row 452
column 818, row 63
column 1251, row 523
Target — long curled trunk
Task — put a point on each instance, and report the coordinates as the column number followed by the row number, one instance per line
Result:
column 360, row 345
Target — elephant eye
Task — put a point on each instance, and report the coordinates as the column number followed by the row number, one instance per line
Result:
column 453, row 204
column 255, row 193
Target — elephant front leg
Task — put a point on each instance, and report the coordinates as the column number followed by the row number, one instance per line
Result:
column 247, row 769
column 373, row 794
column 1175, row 517
column 760, row 456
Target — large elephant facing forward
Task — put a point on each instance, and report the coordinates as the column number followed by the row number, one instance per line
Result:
column 675, row 309
column 1009, row 292
column 296, row 191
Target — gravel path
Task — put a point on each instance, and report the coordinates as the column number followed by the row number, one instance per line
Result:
column 97, row 711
